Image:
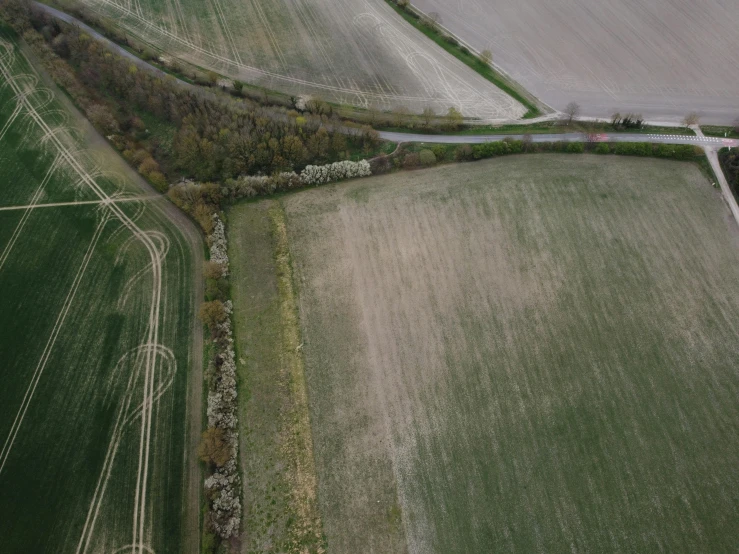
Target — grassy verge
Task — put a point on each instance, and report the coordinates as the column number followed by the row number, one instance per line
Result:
column 542, row 128
column 466, row 57
column 718, row 131
column 280, row 505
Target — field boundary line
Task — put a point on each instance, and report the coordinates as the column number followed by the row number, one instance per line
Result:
column 78, row 203
column 22, row 223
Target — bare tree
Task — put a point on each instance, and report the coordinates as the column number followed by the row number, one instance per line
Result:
column 372, row 115
column 691, row 119
column 527, row 142
column 572, row 111
column 486, row 57
column 454, row 118
column 428, row 115
column 615, row 119
column 432, row 20
column 400, row 114
column 736, row 125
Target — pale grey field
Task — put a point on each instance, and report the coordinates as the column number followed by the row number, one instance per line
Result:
column 356, row 52
column 662, row 58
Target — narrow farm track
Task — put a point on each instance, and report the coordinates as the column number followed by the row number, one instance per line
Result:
column 21, row 89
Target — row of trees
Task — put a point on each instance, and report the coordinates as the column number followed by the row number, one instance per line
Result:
column 408, row 158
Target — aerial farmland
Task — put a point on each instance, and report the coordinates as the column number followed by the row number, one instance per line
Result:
column 95, row 355
column 352, row 52
column 520, row 355
column 661, row 58
column 369, row 276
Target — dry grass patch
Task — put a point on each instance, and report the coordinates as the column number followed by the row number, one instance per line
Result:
column 276, row 450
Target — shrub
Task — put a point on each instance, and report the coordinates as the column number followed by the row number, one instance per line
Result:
column 411, row 160
column 148, row 166
column 633, row 148
column 575, row 148
column 603, row 148
column 337, row 171
column 427, row 158
column 380, row 165
column 158, row 181
column 463, row 153
column 439, row 151
column 213, row 448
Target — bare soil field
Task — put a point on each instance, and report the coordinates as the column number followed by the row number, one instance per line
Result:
column 661, row 58
column 530, row 354
column 355, row 52
column 96, row 338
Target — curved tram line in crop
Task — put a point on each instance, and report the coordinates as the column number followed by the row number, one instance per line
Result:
column 497, row 106
column 25, row 89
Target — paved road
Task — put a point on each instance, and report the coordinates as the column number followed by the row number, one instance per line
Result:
column 112, row 45
column 557, row 137
column 716, row 166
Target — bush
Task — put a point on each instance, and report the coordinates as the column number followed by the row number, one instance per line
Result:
column 337, row 171
column 633, row 148
column 603, row 148
column 158, row 181
column 213, row 448
column 411, row 160
column 575, row 148
column 427, row 158
column 463, row 153
column 439, row 151
column 380, row 165
column 212, row 314
column 213, row 270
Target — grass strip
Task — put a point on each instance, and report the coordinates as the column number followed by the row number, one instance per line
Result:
column 298, row 441
column 466, row 57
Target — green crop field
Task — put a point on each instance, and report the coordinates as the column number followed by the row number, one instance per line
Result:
column 96, row 331
column 530, row 354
